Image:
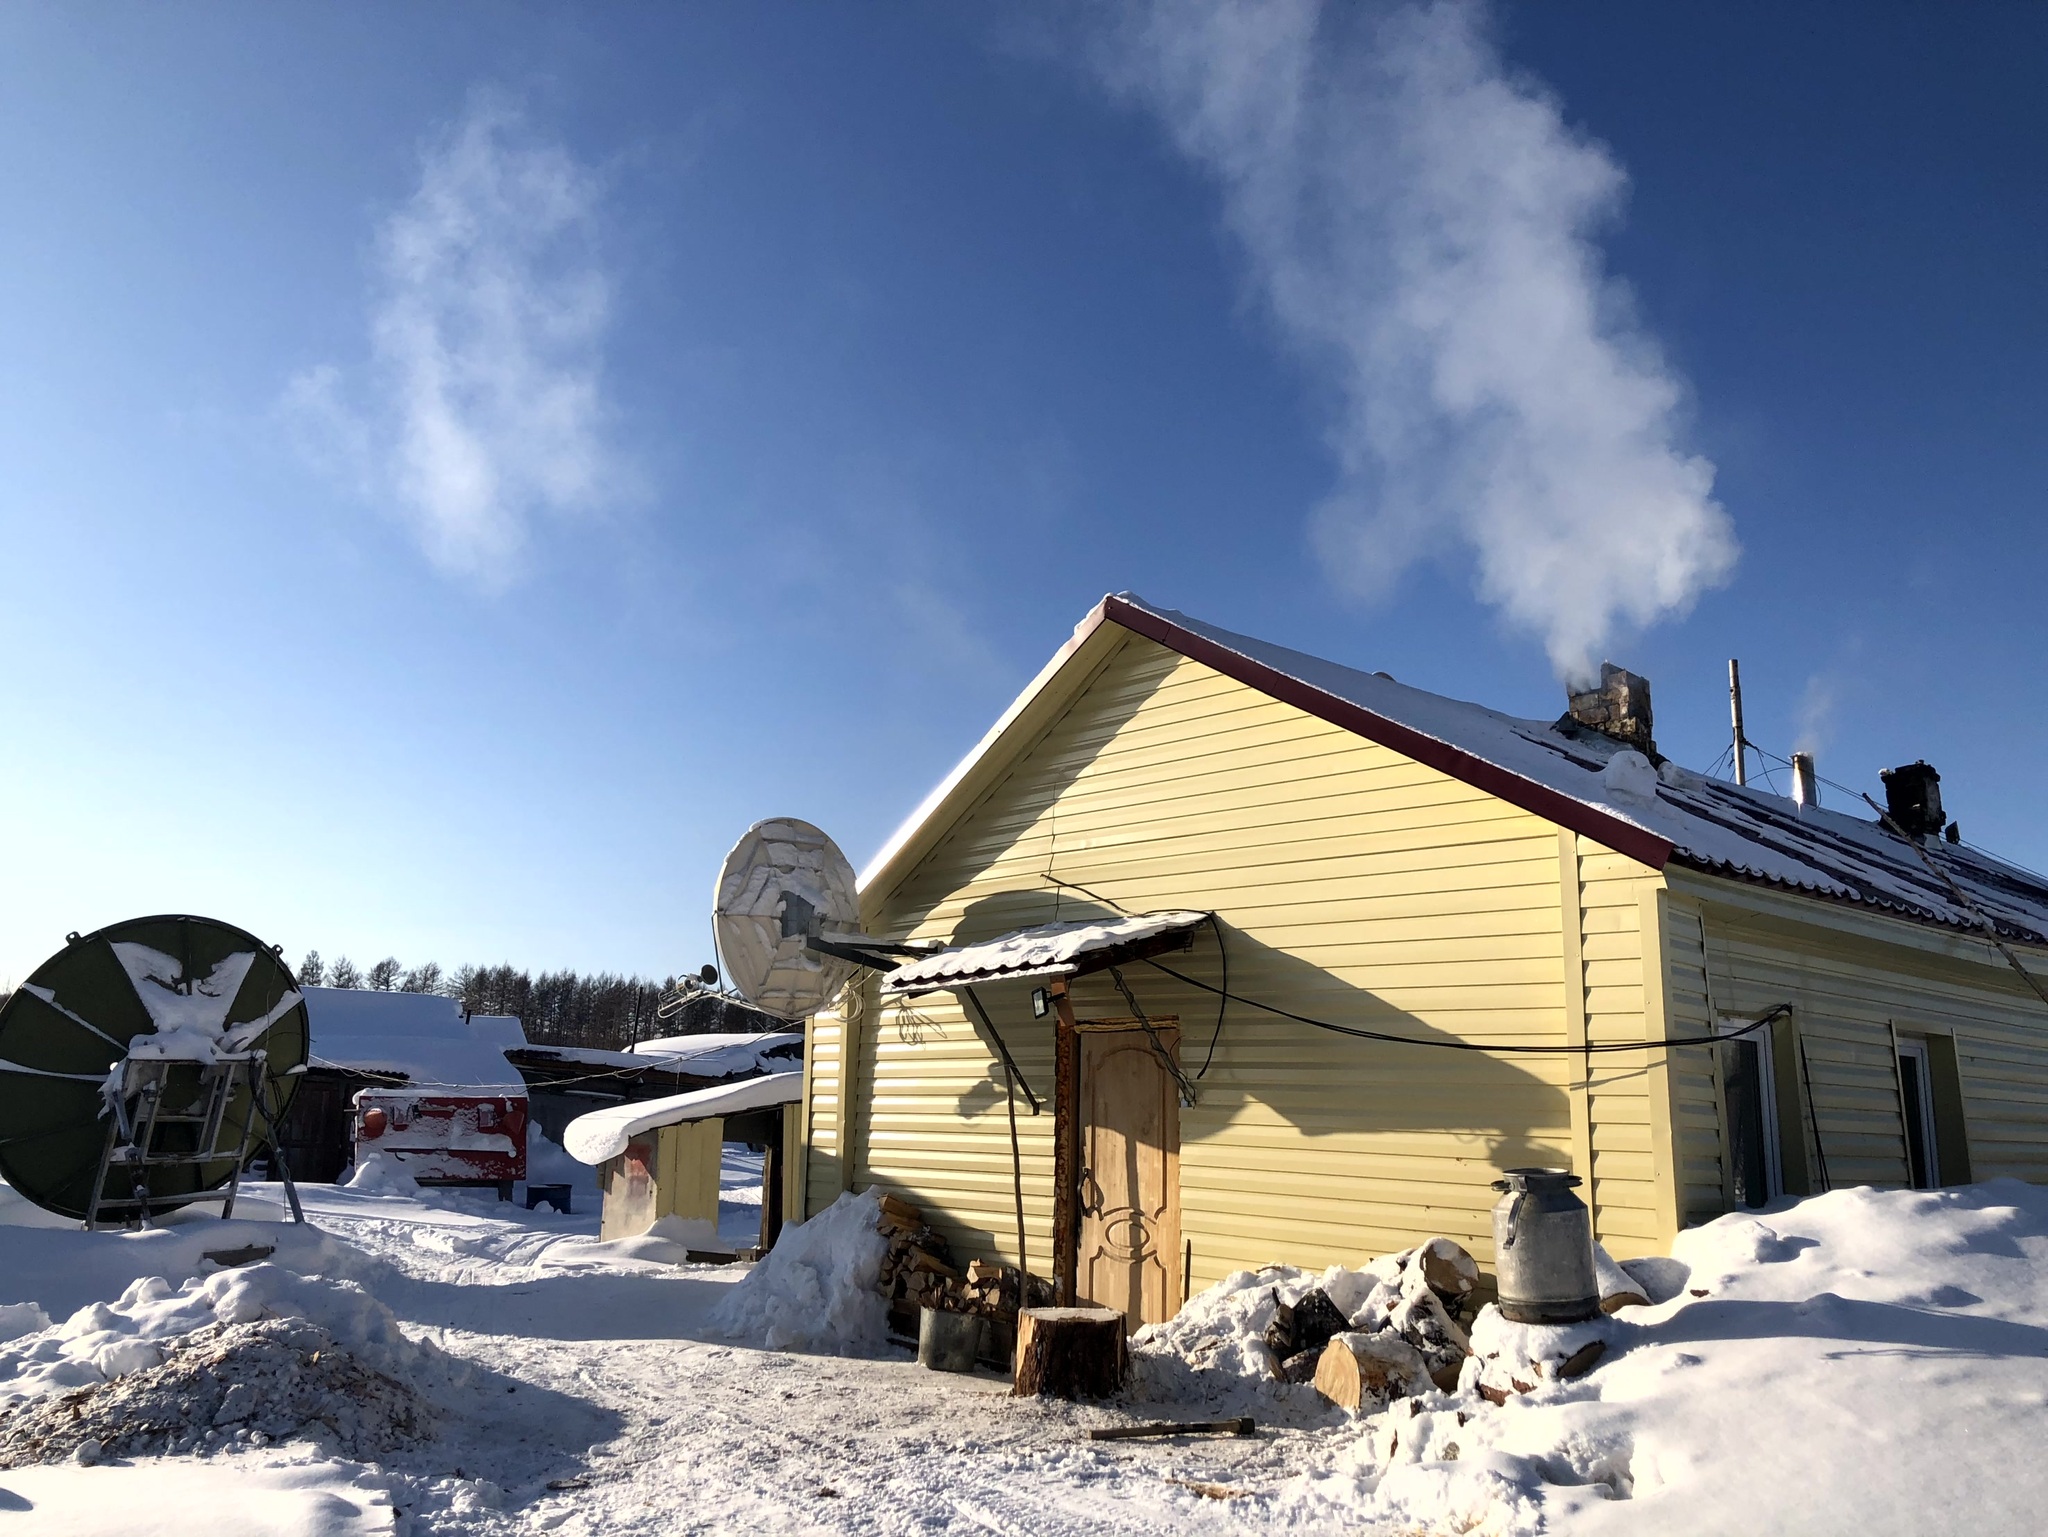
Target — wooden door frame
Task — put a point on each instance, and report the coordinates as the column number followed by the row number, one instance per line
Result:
column 1066, row 1157
column 1066, row 1153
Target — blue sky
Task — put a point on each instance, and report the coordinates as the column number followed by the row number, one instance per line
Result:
column 463, row 464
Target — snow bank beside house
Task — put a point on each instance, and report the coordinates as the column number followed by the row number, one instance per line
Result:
column 816, row 1289
column 1217, row 1352
column 1863, row 1362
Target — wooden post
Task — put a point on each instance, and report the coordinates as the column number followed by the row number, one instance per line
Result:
column 1069, row 1353
column 771, row 1185
column 1066, row 1161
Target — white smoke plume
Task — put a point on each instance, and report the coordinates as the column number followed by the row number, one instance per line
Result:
column 486, row 335
column 1421, row 224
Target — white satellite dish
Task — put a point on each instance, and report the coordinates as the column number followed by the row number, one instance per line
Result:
column 786, row 916
column 785, row 887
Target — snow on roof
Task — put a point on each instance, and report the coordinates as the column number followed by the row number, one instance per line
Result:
column 603, row 1134
column 1709, row 824
column 1050, row 950
column 701, row 1056
column 715, row 1056
column 420, row 1035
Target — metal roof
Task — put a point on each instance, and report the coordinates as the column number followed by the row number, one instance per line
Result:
column 1571, row 778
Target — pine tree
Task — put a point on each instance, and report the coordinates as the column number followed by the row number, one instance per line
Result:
column 312, row 970
column 422, row 979
column 343, row 973
column 384, row 975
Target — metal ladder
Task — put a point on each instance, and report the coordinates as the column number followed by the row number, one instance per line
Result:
column 140, row 1118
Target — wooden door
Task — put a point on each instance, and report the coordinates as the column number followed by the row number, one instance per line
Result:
column 1130, row 1174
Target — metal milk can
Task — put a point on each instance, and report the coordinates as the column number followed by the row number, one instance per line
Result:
column 1543, row 1249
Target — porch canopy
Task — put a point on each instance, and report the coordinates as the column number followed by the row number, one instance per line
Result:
column 1050, row 950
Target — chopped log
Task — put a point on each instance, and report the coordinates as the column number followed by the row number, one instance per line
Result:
column 1449, row 1270
column 1618, row 1289
column 1238, row 1427
column 1069, row 1353
column 929, row 1264
column 1427, row 1324
column 1581, row 1361
column 895, row 1206
column 1366, row 1372
column 1309, row 1324
column 1300, row 1367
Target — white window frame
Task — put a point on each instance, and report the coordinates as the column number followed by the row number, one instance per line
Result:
column 1916, row 1048
column 1767, row 1084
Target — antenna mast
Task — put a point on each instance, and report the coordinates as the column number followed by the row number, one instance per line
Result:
column 1735, row 716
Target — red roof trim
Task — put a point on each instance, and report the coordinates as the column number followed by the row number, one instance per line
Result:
column 1575, row 815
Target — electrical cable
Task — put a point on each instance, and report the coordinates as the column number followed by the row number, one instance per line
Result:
column 1098, row 896
column 1187, row 1090
column 1222, row 995
column 1813, row 1113
column 1776, row 1012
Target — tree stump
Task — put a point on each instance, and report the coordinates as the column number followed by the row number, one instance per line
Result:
column 1069, row 1353
column 1366, row 1372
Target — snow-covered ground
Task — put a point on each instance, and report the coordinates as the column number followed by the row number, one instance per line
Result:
column 1860, row 1363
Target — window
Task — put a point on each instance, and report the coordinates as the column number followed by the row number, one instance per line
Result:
column 1749, row 1111
column 1916, row 1108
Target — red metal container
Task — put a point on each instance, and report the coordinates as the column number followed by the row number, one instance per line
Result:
column 446, row 1139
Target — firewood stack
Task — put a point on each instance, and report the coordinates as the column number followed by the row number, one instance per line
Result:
column 919, row 1272
column 1409, row 1333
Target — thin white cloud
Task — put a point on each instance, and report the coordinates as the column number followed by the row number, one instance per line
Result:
column 1421, row 224
column 481, row 406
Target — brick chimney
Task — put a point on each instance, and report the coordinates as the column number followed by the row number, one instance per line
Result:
column 1912, row 795
column 1618, row 708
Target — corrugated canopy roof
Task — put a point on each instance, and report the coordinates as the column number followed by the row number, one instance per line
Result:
column 1050, row 950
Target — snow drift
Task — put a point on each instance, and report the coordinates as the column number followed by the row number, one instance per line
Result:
column 817, row 1288
column 108, row 1340
column 1859, row 1362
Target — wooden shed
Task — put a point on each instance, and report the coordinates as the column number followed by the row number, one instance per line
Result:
column 1380, row 880
column 661, row 1159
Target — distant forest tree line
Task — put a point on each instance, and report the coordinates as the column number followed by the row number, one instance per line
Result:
column 557, row 1008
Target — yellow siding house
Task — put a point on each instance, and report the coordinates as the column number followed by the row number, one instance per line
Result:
column 1246, row 950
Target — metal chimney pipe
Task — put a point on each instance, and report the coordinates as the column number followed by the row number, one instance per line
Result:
column 1735, row 714
column 1805, row 782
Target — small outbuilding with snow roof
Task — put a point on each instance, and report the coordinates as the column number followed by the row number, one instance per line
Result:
column 1246, row 956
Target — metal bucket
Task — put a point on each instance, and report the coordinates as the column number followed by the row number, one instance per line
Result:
column 949, row 1342
column 1543, row 1249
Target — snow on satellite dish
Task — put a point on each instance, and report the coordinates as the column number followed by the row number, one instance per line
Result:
column 784, row 885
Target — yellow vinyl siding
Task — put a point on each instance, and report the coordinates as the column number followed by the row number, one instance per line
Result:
column 1852, row 977
column 1631, row 1212
column 937, row 1132
column 1354, row 885
column 1696, row 1082
column 824, row 1097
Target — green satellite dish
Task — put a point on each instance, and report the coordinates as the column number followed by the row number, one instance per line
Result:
column 130, row 1063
